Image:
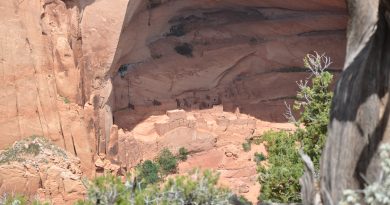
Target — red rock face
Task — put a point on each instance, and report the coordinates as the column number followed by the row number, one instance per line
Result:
column 196, row 54
column 40, row 59
column 97, row 77
column 50, row 70
column 212, row 59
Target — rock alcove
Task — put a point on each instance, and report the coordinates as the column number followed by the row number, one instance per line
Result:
column 193, row 55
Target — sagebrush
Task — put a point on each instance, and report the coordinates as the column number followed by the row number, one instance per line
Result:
column 30, row 146
column 193, row 189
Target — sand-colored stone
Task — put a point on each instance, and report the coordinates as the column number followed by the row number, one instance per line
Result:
column 59, row 63
column 212, row 144
column 52, row 175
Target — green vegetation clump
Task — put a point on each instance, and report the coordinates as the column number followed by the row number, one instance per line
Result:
column 17, row 152
column 17, row 199
column 66, row 100
column 280, row 179
column 145, row 189
column 198, row 189
column 167, row 162
column 164, row 164
column 149, row 188
column 244, row 201
column 315, row 101
column 246, row 146
column 191, row 189
column 259, row 157
column 13, row 200
column 149, row 172
column 107, row 189
column 31, row 146
column 183, row 154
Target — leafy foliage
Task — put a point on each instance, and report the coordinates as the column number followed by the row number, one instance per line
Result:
column 183, row 154
column 107, row 189
column 190, row 190
column 315, row 101
column 167, row 162
column 17, row 199
column 149, row 172
column 193, row 189
column 240, row 200
column 279, row 180
column 13, row 200
column 201, row 189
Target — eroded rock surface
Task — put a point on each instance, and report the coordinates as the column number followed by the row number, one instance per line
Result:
column 54, row 56
column 196, row 54
column 41, row 170
column 85, row 74
column 210, row 58
column 213, row 137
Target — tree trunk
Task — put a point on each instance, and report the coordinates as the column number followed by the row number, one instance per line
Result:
column 360, row 108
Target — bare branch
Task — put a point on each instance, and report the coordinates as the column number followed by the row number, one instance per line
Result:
column 317, row 63
column 289, row 114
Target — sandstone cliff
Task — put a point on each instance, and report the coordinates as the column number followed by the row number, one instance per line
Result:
column 97, row 77
column 41, row 170
column 52, row 62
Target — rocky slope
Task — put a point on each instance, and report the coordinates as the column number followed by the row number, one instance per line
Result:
column 97, row 77
column 213, row 137
column 41, row 170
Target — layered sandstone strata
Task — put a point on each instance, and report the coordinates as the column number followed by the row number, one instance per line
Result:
column 86, row 73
